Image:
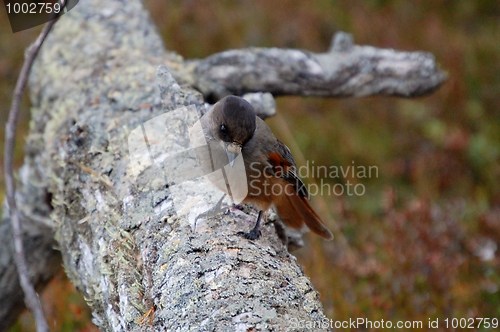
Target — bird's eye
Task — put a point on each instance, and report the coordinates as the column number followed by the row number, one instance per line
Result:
column 223, row 128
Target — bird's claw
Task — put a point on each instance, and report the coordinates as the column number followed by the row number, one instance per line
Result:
column 240, row 207
column 252, row 235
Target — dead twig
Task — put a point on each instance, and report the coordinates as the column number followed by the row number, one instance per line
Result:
column 31, row 297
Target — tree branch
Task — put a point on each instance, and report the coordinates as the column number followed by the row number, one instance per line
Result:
column 30, row 295
column 346, row 70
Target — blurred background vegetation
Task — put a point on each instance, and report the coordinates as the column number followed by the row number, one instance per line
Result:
column 423, row 241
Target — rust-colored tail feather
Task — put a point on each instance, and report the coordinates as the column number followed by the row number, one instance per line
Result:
column 312, row 220
column 288, row 212
column 295, row 211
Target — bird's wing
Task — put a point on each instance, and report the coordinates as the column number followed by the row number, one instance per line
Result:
column 284, row 166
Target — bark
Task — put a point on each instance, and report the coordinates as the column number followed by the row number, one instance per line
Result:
column 127, row 232
column 345, row 70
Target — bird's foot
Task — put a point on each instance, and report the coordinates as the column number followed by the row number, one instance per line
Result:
column 240, row 207
column 254, row 234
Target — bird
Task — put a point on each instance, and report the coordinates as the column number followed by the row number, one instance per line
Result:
column 233, row 127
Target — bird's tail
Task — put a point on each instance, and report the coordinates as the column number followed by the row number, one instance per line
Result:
column 295, row 210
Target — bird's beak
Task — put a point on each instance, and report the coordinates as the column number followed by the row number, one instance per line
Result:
column 232, row 151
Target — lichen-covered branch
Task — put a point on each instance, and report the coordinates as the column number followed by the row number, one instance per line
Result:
column 345, row 70
column 139, row 264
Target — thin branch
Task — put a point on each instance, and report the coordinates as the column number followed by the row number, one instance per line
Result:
column 31, row 297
